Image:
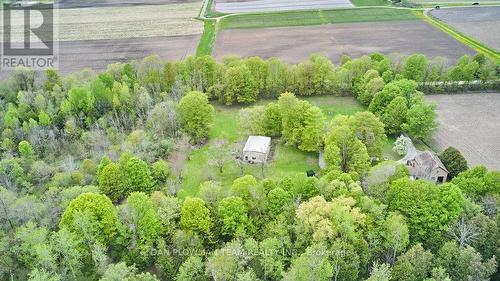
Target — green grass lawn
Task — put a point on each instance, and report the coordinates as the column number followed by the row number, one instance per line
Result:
column 337, row 105
column 299, row 18
column 207, row 39
column 391, row 155
column 287, row 160
column 370, row 2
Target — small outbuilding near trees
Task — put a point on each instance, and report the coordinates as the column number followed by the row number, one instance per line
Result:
column 257, row 149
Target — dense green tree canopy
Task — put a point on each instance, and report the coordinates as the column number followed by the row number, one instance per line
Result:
column 99, row 173
column 195, row 115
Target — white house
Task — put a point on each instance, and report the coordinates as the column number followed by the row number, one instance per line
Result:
column 257, row 149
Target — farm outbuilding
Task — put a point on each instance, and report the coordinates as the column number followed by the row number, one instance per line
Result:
column 257, row 149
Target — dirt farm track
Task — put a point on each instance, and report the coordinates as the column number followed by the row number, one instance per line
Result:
column 470, row 123
column 295, row 44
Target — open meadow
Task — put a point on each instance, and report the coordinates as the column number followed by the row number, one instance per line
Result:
column 480, row 23
column 294, row 44
column 470, row 123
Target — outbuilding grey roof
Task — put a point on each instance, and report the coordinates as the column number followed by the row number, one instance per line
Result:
column 257, row 144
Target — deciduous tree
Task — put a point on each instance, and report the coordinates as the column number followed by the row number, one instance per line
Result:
column 195, row 115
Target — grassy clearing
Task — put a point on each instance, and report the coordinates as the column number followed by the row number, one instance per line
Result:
column 370, row 2
column 300, row 18
column 479, row 47
column 287, row 160
column 338, row 105
column 206, row 44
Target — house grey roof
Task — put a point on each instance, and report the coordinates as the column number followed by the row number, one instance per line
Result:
column 428, row 159
column 257, row 144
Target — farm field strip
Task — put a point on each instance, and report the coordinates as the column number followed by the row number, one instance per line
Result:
column 123, row 22
column 299, row 18
column 277, row 5
column 65, row 4
column 470, row 123
column 295, row 44
column 97, row 54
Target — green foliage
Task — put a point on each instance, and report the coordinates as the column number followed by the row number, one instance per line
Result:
column 464, row 263
column 370, row 131
column 403, row 110
column 122, row 272
column 344, row 151
column 112, row 182
column 232, row 213
column 145, row 226
column 25, row 149
column 100, row 213
column 242, row 186
column 278, row 200
column 312, row 137
column 52, row 79
column 454, row 162
column 413, row 265
column 137, row 176
column 160, row 170
column 195, row 216
column 193, row 269
column 395, row 115
column 44, row 119
column 421, row 121
column 478, row 181
column 195, row 115
column 301, row 268
column 271, row 120
column 339, row 224
column 396, row 235
column 240, row 86
column 428, row 208
column 414, row 68
column 80, row 100
column 380, row 272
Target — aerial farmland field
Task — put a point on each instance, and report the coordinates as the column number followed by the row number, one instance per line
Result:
column 63, row 4
column 252, row 6
column 480, row 23
column 94, row 37
column 124, row 22
column 294, row 44
column 470, row 123
column 97, row 54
